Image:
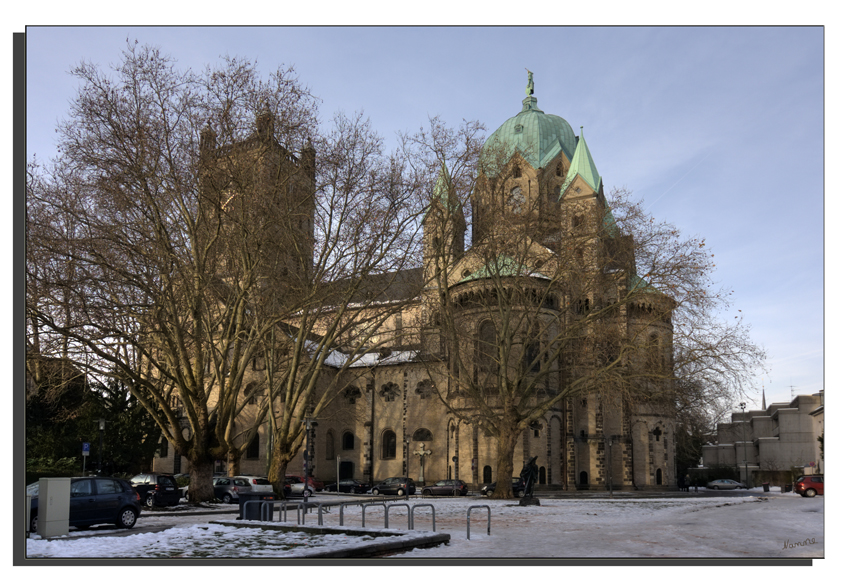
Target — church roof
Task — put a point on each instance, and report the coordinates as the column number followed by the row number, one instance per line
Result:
column 582, row 165
column 504, row 266
column 536, row 135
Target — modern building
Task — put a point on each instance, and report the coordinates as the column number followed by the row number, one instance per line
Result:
column 389, row 418
column 779, row 437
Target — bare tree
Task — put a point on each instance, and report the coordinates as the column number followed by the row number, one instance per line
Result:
column 155, row 295
column 195, row 223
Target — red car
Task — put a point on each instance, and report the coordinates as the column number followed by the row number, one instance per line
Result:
column 809, row 485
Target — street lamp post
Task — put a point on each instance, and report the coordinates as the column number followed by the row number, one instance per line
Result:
column 101, row 426
column 406, row 462
column 308, row 427
column 746, row 464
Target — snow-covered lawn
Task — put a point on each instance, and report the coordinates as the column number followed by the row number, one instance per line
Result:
column 753, row 526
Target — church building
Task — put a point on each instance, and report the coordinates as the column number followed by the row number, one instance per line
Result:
column 389, row 418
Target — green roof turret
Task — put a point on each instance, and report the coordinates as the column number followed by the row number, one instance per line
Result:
column 582, row 165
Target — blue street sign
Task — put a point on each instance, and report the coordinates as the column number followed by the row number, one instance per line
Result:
column 86, row 448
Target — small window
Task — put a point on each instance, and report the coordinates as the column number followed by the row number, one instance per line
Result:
column 517, row 172
column 347, row 441
column 253, row 450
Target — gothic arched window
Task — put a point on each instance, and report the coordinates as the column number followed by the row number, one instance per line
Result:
column 329, row 445
column 486, row 352
column 347, row 441
column 388, row 444
column 422, row 435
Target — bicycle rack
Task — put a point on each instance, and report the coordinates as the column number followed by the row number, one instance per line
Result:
column 342, row 507
column 320, row 514
column 363, row 509
column 264, row 508
column 387, row 513
column 468, row 511
column 433, row 515
column 301, row 510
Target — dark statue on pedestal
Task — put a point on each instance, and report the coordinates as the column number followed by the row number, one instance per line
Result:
column 529, row 475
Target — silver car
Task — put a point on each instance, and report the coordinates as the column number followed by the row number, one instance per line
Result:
column 725, row 484
column 298, row 490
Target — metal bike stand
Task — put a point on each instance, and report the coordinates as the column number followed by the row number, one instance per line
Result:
column 433, row 515
column 468, row 511
column 363, row 509
column 387, row 513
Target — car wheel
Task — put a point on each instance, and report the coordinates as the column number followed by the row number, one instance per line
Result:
column 810, row 492
column 489, row 493
column 455, row 493
column 400, row 492
column 376, row 492
column 34, row 524
column 226, row 498
column 149, row 500
column 127, row 518
column 426, row 493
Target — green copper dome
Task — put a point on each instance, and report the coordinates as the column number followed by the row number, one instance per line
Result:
column 536, row 135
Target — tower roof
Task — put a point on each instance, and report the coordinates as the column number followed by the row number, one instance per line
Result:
column 536, row 135
column 582, row 165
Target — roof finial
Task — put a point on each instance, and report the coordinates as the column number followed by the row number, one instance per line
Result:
column 529, row 89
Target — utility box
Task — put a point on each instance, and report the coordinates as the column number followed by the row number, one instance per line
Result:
column 54, row 506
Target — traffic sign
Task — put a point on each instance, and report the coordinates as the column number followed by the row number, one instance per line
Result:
column 86, row 446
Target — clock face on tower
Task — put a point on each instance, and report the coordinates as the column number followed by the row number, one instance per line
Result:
column 516, row 201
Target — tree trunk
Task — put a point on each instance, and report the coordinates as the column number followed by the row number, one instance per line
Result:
column 234, row 464
column 277, row 470
column 505, row 446
column 200, row 480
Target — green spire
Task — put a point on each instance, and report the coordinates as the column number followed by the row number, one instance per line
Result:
column 444, row 192
column 582, row 164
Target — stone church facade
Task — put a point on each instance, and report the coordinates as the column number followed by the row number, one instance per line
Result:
column 388, row 419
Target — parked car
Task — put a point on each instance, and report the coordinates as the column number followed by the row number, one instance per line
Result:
column 227, row 488
column 809, row 485
column 95, row 500
column 255, row 485
column 315, row 484
column 517, row 487
column 157, row 489
column 296, row 489
column 446, row 487
column 395, row 486
column 725, row 484
column 348, row 486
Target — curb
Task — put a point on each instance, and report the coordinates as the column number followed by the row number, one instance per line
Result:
column 368, row 550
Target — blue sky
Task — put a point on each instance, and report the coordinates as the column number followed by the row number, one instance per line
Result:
column 719, row 130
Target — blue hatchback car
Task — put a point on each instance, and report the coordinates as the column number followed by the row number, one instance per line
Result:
column 95, row 500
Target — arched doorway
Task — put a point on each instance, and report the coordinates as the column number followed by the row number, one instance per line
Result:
column 582, row 479
column 658, row 476
column 542, row 475
column 488, row 475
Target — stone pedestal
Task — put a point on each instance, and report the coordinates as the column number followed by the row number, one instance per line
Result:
column 527, row 501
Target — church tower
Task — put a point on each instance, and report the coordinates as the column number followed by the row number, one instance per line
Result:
column 258, row 183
